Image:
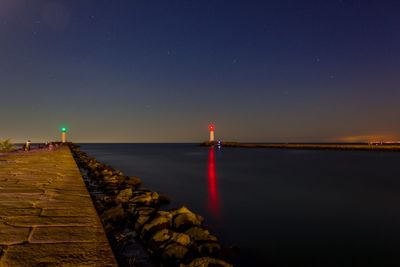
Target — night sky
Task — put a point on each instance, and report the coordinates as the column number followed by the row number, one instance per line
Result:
column 160, row 71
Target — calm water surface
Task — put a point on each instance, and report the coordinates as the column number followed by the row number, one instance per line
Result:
column 280, row 207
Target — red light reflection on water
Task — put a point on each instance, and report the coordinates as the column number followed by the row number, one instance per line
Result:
column 213, row 198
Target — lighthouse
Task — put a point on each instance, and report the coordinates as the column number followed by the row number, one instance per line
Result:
column 211, row 127
column 63, row 134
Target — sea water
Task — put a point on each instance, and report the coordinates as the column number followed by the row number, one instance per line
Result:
column 278, row 207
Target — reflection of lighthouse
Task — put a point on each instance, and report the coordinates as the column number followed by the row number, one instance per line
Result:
column 211, row 127
column 213, row 198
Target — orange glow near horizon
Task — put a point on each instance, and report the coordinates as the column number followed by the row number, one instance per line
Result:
column 369, row 138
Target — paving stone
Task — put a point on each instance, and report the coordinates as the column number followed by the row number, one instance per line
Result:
column 66, row 234
column 49, row 221
column 59, row 254
column 72, row 211
column 10, row 235
column 12, row 211
column 62, row 204
column 16, row 204
column 46, row 215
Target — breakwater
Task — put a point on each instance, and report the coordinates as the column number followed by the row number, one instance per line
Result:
column 47, row 217
column 314, row 146
column 176, row 237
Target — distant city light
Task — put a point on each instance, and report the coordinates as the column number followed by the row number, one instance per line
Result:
column 63, row 129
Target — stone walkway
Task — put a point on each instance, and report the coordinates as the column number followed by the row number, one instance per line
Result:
column 46, row 215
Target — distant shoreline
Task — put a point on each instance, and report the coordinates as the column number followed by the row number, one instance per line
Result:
column 311, row 146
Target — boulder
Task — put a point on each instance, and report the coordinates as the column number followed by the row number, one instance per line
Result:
column 159, row 239
column 99, row 206
column 131, row 208
column 184, row 218
column 133, row 181
column 182, row 239
column 113, row 214
column 161, row 221
column 207, row 262
column 111, row 182
column 164, row 237
column 118, row 173
column 113, row 179
column 108, row 227
column 143, row 199
column 144, row 211
column 108, row 200
column 209, row 248
column 124, row 195
column 106, row 172
column 199, row 234
column 173, row 252
column 140, row 222
column 155, row 196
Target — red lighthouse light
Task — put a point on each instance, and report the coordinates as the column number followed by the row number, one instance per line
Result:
column 211, row 127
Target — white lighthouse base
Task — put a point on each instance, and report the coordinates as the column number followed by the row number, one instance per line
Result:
column 211, row 136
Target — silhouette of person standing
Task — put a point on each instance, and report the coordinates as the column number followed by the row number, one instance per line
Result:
column 27, row 145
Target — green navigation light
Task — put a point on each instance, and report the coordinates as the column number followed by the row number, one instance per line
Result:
column 63, row 129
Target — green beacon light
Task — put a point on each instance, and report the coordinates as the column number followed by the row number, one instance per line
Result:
column 63, row 134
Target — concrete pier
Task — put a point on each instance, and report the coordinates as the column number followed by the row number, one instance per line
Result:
column 46, row 215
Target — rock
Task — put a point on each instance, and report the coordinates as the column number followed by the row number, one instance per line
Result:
column 130, row 261
column 140, row 222
column 144, row 199
column 113, row 214
column 107, row 172
column 118, row 173
column 121, row 240
column 124, row 195
column 162, row 235
column 108, row 227
column 155, row 196
column 185, row 218
column 133, row 181
column 174, row 252
column 131, row 208
column 144, row 211
column 99, row 206
column 209, row 248
column 207, row 262
column 112, row 181
column 181, row 238
column 161, row 221
column 159, row 239
column 108, row 201
column 199, row 234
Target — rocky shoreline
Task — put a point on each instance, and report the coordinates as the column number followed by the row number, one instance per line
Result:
column 139, row 230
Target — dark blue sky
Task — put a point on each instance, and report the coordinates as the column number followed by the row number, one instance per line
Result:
column 160, row 71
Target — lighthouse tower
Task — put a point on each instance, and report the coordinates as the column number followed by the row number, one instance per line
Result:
column 63, row 134
column 211, row 127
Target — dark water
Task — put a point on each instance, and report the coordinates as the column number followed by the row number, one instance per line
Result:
column 280, row 207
